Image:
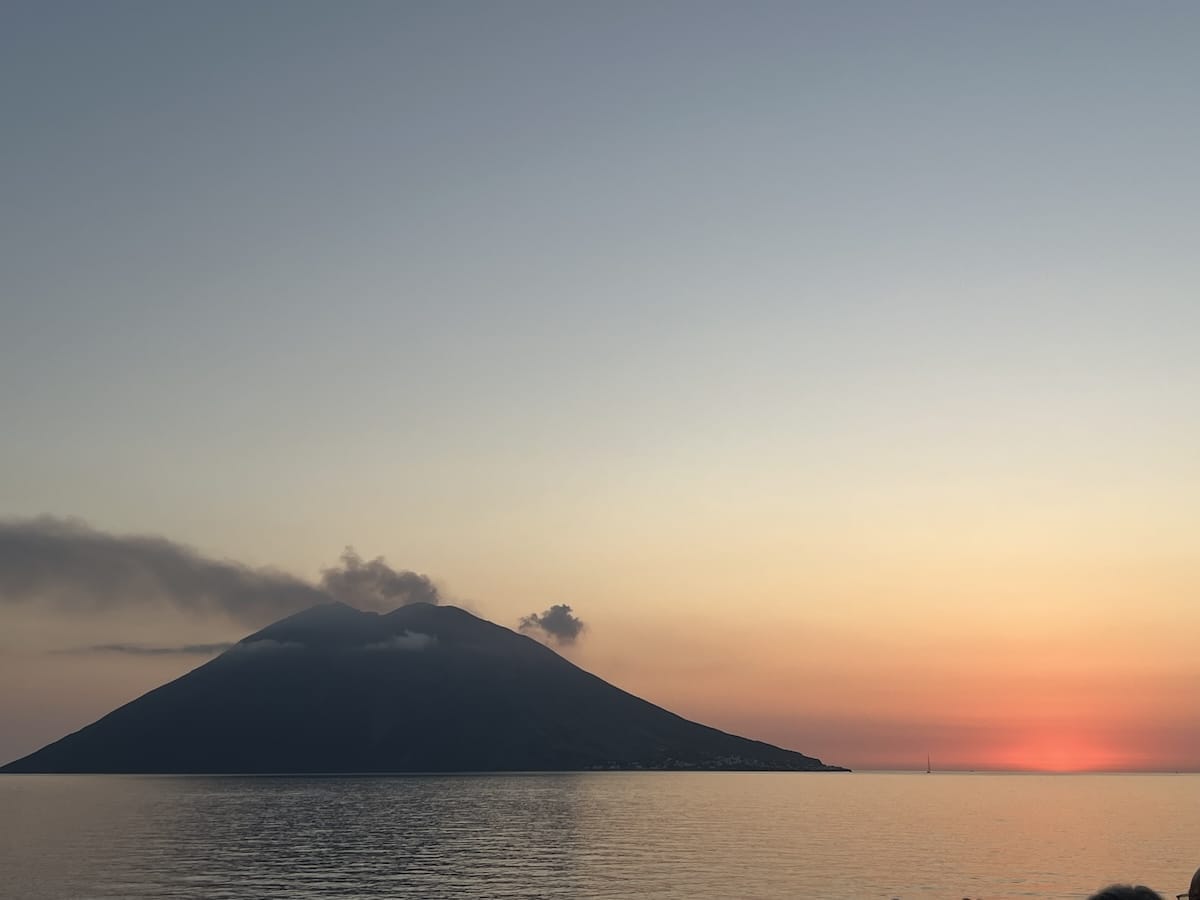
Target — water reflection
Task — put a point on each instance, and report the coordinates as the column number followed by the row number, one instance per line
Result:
column 610, row 835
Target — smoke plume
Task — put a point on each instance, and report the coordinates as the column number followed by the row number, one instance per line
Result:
column 556, row 623
column 75, row 568
column 375, row 584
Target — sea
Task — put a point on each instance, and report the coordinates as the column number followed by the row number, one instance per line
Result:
column 667, row 835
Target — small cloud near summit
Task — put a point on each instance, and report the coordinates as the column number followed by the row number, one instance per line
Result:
column 557, row 623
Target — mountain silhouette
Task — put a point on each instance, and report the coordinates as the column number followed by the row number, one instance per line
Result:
column 421, row 689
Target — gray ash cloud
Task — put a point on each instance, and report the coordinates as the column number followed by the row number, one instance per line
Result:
column 375, row 584
column 67, row 565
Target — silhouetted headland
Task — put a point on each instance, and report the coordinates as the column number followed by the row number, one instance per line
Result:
column 422, row 689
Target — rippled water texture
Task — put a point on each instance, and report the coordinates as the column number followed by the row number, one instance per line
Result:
column 662, row 835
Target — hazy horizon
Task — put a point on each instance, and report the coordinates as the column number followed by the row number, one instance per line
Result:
column 836, row 364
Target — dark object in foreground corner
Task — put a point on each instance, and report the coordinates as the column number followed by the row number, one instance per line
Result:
column 421, row 689
column 1127, row 892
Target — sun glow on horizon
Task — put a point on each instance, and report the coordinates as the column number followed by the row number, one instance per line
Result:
column 1061, row 753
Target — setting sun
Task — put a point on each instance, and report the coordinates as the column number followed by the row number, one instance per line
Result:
column 1060, row 752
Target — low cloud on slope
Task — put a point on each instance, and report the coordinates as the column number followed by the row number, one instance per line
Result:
column 408, row 640
column 153, row 650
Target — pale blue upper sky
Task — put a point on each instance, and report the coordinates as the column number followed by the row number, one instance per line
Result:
column 259, row 259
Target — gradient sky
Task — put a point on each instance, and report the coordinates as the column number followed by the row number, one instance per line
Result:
column 838, row 363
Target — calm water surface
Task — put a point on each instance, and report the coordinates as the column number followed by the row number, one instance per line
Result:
column 608, row 835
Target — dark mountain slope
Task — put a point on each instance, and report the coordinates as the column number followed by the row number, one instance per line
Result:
column 424, row 688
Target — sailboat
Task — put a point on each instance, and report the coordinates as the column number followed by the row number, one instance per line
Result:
column 927, row 769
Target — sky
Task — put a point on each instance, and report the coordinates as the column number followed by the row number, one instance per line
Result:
column 837, row 363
